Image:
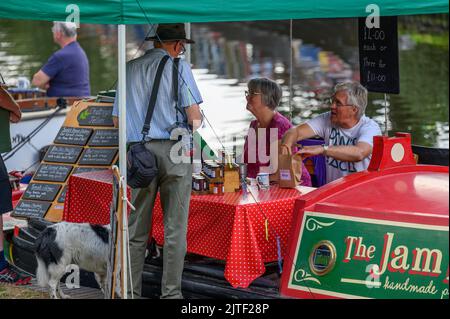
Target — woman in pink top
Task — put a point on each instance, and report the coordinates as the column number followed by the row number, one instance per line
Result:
column 263, row 97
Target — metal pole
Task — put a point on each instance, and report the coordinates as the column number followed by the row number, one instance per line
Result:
column 122, row 55
column 291, row 70
column 188, row 47
column 385, row 116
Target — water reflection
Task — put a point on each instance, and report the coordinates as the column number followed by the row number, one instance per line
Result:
column 324, row 52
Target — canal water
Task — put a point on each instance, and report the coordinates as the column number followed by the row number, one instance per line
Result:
column 226, row 55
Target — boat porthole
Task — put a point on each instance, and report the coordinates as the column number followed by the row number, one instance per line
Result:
column 322, row 258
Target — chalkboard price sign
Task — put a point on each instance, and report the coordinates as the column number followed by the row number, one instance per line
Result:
column 96, row 116
column 42, row 191
column 81, row 170
column 73, row 136
column 63, row 154
column 31, row 209
column 105, row 138
column 378, row 56
column 52, row 173
column 62, row 197
column 98, row 156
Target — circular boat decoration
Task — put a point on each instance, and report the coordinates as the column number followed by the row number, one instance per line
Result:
column 322, row 258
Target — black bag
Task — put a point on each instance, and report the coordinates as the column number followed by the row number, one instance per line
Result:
column 142, row 167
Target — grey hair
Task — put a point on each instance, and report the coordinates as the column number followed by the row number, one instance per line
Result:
column 68, row 29
column 270, row 91
column 356, row 95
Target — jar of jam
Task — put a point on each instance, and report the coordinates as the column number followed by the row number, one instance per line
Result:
column 218, row 188
column 198, row 183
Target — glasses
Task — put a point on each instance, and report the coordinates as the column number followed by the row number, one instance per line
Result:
column 249, row 94
column 338, row 103
column 183, row 49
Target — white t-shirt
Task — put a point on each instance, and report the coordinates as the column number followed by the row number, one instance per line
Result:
column 364, row 131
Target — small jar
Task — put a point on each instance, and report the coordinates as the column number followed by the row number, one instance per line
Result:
column 218, row 188
column 198, row 183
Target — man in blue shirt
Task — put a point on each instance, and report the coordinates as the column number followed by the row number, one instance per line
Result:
column 66, row 72
column 174, row 179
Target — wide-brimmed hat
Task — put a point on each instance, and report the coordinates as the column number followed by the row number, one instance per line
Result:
column 170, row 32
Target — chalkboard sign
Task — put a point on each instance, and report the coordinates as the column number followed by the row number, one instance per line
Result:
column 52, row 173
column 98, row 156
column 81, row 170
column 73, row 136
column 378, row 56
column 31, row 209
column 96, row 116
column 62, row 197
column 105, row 138
column 63, row 154
column 42, row 191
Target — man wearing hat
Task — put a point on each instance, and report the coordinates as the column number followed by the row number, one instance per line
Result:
column 174, row 179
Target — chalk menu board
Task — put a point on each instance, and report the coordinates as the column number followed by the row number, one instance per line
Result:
column 105, row 138
column 52, row 173
column 98, row 156
column 73, row 136
column 81, row 170
column 63, row 154
column 31, row 209
column 86, row 142
column 378, row 56
column 41, row 191
column 96, row 116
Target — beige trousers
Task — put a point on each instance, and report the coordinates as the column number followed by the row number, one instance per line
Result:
column 174, row 182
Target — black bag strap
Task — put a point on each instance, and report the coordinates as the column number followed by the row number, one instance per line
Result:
column 176, row 63
column 154, row 95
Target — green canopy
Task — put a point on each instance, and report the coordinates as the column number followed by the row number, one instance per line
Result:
column 160, row 11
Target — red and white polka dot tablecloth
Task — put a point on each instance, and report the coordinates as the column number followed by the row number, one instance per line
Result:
column 232, row 228
column 229, row 227
column 88, row 198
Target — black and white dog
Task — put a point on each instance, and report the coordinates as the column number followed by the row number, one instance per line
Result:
column 63, row 244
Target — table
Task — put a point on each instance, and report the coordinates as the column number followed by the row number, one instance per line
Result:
column 229, row 227
column 88, row 198
column 232, row 228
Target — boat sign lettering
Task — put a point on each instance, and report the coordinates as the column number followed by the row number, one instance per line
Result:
column 344, row 256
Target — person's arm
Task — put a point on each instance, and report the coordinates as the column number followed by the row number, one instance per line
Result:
column 115, row 121
column 297, row 133
column 41, row 80
column 346, row 153
column 195, row 117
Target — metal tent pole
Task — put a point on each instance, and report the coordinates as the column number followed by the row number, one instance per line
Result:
column 188, row 47
column 291, row 70
column 122, row 147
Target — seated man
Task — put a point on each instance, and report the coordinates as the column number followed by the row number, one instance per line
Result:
column 66, row 72
column 263, row 97
column 347, row 132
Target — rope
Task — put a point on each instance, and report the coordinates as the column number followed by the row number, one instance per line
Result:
column 28, row 138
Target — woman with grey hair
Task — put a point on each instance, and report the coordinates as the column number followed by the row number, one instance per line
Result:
column 347, row 132
column 263, row 97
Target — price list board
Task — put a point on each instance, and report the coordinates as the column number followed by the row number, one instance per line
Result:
column 86, row 142
column 378, row 56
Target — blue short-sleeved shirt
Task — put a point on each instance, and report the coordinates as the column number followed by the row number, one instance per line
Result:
column 140, row 76
column 68, row 69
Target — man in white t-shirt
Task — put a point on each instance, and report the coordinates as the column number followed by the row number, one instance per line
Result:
column 347, row 132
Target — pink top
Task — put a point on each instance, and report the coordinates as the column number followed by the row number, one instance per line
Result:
column 282, row 124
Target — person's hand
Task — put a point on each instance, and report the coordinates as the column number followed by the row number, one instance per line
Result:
column 14, row 118
column 308, row 151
